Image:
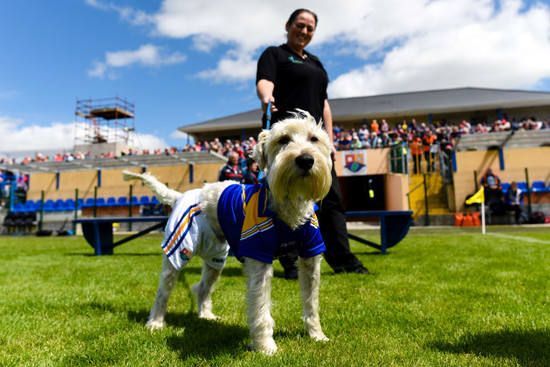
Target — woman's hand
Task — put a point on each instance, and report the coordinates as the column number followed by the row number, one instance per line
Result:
column 265, row 102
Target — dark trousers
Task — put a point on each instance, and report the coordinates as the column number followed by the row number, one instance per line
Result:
column 332, row 223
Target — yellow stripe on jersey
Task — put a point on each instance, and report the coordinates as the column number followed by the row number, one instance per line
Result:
column 181, row 228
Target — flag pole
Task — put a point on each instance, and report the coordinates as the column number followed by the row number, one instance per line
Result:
column 483, row 217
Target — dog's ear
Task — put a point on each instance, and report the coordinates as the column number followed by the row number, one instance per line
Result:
column 259, row 154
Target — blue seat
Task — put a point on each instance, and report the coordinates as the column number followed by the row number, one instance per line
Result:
column 135, row 200
column 89, row 203
column 69, row 203
column 122, row 200
column 18, row 208
column 29, row 206
column 539, row 186
column 100, row 202
column 111, row 201
column 154, row 200
column 80, row 203
column 59, row 205
column 144, row 200
column 37, row 205
column 505, row 187
column 49, row 206
column 522, row 185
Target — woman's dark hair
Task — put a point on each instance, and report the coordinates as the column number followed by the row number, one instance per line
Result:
column 297, row 12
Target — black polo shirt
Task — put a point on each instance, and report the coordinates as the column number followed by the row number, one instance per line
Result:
column 299, row 83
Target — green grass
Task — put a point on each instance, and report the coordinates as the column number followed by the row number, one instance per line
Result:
column 442, row 297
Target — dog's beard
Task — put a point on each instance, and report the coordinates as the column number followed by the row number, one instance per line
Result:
column 288, row 182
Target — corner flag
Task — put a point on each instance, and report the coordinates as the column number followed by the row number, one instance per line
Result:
column 478, row 197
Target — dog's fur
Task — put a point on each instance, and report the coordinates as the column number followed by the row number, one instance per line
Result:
column 295, row 156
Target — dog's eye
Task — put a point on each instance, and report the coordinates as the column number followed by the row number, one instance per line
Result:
column 314, row 139
column 284, row 140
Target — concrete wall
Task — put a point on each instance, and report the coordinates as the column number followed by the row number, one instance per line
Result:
column 536, row 160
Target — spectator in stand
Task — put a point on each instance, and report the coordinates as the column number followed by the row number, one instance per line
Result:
column 232, row 170
column 374, row 127
column 385, row 139
column 492, row 186
column 345, row 141
column 428, row 142
column 336, row 131
column 355, row 142
column 375, row 140
column 384, row 128
column 239, row 150
column 416, row 153
column 252, row 172
column 364, row 133
column 513, row 200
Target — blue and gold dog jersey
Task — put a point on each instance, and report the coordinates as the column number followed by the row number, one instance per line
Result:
column 250, row 227
column 254, row 231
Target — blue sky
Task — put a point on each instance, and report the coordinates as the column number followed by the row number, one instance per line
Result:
column 184, row 62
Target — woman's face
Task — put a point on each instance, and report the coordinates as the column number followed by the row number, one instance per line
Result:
column 301, row 31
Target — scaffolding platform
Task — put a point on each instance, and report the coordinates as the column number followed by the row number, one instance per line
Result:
column 102, row 124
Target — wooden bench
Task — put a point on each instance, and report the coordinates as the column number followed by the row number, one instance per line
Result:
column 394, row 226
column 99, row 231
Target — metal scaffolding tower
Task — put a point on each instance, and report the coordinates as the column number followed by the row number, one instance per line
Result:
column 107, row 120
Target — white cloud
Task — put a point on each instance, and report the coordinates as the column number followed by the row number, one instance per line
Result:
column 233, row 67
column 131, row 15
column 147, row 55
column 462, row 45
column 18, row 138
column 397, row 45
column 53, row 138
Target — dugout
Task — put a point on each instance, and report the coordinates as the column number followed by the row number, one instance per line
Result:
column 367, row 182
column 521, row 156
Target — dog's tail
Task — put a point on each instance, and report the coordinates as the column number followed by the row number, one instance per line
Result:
column 162, row 192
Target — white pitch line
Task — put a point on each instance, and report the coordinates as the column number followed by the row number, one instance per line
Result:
column 519, row 238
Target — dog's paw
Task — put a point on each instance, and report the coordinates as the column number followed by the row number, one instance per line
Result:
column 320, row 338
column 267, row 347
column 207, row 315
column 155, row 325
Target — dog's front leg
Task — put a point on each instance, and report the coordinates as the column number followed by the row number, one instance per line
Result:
column 203, row 291
column 168, row 279
column 260, row 322
column 309, row 275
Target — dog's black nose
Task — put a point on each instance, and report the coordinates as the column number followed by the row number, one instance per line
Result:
column 305, row 162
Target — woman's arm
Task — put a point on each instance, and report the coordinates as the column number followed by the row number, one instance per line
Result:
column 264, row 90
column 327, row 120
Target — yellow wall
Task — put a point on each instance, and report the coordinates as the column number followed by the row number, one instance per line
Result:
column 177, row 178
column 396, row 186
column 536, row 160
column 112, row 184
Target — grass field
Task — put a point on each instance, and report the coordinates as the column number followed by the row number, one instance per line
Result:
column 442, row 297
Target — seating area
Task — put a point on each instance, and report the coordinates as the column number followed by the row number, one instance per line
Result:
column 536, row 186
column 23, row 221
column 61, row 205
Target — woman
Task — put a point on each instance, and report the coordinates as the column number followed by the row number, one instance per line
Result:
column 290, row 77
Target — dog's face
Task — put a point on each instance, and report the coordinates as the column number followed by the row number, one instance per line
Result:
column 295, row 155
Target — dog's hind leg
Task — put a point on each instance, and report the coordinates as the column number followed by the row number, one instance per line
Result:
column 260, row 322
column 203, row 291
column 168, row 279
column 309, row 275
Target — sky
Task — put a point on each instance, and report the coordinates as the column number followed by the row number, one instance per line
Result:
column 188, row 61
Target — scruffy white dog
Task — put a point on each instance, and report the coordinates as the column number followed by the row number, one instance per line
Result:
column 259, row 222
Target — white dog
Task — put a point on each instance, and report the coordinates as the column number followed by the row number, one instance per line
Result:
column 259, row 222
